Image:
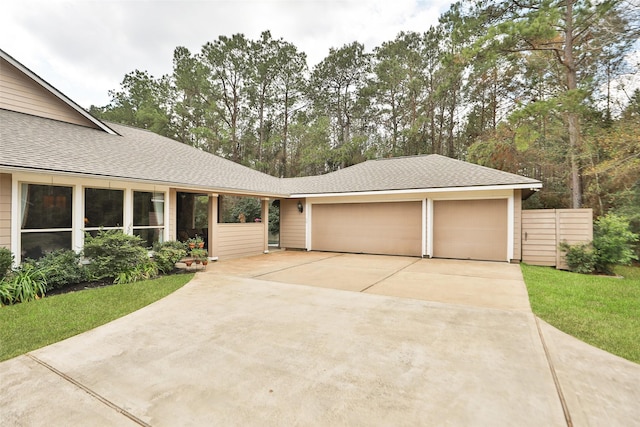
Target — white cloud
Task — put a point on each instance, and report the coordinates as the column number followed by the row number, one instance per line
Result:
column 84, row 48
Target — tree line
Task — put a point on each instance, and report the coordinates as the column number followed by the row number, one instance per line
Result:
column 521, row 86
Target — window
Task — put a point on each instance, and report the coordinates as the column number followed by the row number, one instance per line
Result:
column 236, row 209
column 148, row 216
column 46, row 219
column 103, row 208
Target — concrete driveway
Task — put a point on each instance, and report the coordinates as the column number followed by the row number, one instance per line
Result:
column 246, row 344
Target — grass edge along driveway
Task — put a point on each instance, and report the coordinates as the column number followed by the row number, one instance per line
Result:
column 599, row 310
column 29, row 326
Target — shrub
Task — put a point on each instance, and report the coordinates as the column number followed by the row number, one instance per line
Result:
column 144, row 271
column 61, row 268
column 167, row 254
column 613, row 242
column 112, row 253
column 6, row 260
column 580, row 258
column 24, row 284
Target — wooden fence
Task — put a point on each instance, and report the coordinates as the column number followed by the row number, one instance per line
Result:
column 544, row 229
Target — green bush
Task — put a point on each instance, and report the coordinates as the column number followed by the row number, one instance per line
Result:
column 6, row 260
column 613, row 242
column 144, row 271
column 112, row 253
column 580, row 258
column 167, row 254
column 61, row 268
column 23, row 284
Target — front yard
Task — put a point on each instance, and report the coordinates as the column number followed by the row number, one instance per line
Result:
column 31, row 325
column 602, row 311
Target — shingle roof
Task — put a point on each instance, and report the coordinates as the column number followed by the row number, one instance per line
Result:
column 34, row 143
column 406, row 173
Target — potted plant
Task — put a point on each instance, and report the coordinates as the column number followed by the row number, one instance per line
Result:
column 198, row 255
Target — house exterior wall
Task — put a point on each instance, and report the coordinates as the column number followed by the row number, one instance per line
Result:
column 238, row 240
column 20, row 93
column 5, row 210
column 517, row 225
column 293, row 232
column 544, row 229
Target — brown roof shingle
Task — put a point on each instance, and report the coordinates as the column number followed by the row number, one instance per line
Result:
column 33, row 143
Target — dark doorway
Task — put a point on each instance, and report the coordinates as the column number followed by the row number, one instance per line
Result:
column 192, row 217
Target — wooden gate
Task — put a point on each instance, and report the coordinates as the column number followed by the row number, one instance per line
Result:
column 544, row 229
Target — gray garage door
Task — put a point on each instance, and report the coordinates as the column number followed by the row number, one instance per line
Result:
column 470, row 229
column 374, row 228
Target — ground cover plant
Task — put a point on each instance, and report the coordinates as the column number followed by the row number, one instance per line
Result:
column 31, row 325
column 603, row 311
column 110, row 257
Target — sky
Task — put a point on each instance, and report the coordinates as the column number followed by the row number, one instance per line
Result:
column 84, row 48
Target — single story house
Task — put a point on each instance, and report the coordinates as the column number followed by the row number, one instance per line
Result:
column 63, row 173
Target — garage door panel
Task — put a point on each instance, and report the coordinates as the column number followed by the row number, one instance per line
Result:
column 470, row 229
column 376, row 228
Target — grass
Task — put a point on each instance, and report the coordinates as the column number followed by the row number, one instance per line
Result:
column 602, row 311
column 29, row 326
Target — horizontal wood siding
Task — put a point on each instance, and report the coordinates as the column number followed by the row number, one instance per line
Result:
column 574, row 226
column 293, row 226
column 238, row 240
column 544, row 229
column 20, row 93
column 5, row 210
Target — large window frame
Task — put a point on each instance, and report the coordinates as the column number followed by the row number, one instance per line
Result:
column 93, row 225
column 71, row 235
column 60, row 199
column 148, row 218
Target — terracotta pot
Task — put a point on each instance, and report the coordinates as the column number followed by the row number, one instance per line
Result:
column 188, row 262
column 201, row 245
column 192, row 245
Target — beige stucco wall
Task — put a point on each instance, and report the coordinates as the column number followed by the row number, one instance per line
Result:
column 292, row 225
column 19, row 93
column 237, row 240
column 5, row 210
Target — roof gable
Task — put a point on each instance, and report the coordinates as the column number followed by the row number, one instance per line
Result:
column 21, row 90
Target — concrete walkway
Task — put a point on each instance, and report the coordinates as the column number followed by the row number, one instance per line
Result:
column 240, row 345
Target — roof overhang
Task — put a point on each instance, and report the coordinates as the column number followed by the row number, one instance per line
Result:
column 173, row 184
column 56, row 93
column 529, row 186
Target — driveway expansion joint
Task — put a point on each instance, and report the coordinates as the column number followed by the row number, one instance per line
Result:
column 296, row 265
column 389, row 275
column 556, row 381
column 89, row 391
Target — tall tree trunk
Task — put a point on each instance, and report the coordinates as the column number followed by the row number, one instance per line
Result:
column 573, row 120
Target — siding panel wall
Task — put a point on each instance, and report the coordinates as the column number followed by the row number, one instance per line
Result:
column 238, row 240
column 293, row 231
column 19, row 93
column 5, row 210
column 544, row 229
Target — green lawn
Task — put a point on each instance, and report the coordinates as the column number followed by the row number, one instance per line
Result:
column 602, row 311
column 28, row 326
